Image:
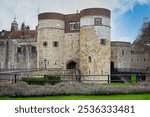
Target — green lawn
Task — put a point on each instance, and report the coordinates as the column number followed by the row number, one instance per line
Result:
column 103, row 97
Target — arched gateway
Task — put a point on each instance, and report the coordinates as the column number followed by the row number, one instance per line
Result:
column 71, row 65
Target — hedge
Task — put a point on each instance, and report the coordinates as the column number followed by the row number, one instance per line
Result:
column 47, row 79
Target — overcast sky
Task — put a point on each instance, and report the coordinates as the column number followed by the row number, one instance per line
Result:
column 127, row 15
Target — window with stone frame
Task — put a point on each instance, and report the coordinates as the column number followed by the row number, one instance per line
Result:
column 122, row 52
column 72, row 26
column 19, row 50
column 55, row 43
column 97, row 21
column 45, row 44
column 102, row 41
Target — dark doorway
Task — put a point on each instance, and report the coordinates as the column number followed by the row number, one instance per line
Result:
column 112, row 66
column 71, row 65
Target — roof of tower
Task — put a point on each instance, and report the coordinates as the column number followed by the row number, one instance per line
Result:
column 51, row 15
column 95, row 11
column 84, row 12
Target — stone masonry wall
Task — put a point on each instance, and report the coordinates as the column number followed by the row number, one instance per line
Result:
column 121, row 54
column 140, row 60
column 100, row 54
column 3, row 53
column 23, row 60
column 95, row 56
column 71, row 49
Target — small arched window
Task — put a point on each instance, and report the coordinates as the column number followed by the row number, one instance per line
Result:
column 123, row 52
column 90, row 59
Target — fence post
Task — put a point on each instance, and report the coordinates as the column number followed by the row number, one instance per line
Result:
column 15, row 78
column 109, row 79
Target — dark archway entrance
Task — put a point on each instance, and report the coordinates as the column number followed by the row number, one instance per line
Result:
column 71, row 65
column 112, row 66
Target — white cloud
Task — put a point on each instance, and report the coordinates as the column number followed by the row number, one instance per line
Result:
column 27, row 10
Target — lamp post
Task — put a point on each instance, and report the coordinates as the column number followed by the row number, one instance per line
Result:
column 45, row 61
column 12, row 66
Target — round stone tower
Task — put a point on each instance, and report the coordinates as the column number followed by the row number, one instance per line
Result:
column 50, row 35
column 95, row 43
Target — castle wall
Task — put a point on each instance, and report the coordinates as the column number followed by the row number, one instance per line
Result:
column 121, row 54
column 3, row 54
column 140, row 60
column 23, row 60
column 11, row 59
column 71, row 49
column 124, row 58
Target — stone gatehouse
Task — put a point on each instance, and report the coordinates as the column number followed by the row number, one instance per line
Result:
column 69, row 41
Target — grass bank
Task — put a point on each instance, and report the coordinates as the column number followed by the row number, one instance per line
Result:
column 100, row 97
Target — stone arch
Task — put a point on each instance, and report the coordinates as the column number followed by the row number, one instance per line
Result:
column 72, row 64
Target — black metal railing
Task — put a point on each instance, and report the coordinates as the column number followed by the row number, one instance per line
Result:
column 17, row 77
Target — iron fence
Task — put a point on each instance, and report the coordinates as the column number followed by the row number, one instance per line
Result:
column 70, row 78
column 130, row 70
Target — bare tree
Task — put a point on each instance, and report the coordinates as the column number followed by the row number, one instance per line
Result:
column 142, row 42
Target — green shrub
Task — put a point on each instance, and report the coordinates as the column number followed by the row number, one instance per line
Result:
column 51, row 79
column 34, row 80
column 133, row 78
column 47, row 79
